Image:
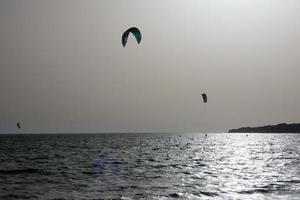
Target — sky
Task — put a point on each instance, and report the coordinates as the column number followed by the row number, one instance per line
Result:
column 63, row 67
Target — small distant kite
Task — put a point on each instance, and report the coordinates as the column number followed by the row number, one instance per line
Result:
column 135, row 31
column 204, row 97
column 18, row 125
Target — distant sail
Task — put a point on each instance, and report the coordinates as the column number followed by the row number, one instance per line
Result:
column 135, row 31
column 18, row 125
column 204, row 97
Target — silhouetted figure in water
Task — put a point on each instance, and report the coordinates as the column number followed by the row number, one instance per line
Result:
column 205, row 134
column 18, row 125
column 246, row 135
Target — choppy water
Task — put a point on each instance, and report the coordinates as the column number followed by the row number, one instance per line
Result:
column 151, row 166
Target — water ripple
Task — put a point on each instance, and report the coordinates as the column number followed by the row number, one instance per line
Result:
column 157, row 166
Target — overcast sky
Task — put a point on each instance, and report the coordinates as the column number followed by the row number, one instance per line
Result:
column 63, row 67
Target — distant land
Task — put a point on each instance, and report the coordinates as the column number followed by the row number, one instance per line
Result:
column 279, row 128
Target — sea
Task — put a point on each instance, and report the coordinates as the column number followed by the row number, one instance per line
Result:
column 150, row 166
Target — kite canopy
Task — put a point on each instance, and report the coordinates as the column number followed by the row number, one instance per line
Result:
column 135, row 31
column 204, row 97
column 18, row 125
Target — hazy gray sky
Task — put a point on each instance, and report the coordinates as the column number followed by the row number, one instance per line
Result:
column 63, row 67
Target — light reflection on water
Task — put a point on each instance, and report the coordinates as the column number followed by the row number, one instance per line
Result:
column 152, row 166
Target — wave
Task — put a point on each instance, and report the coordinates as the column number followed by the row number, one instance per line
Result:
column 199, row 194
column 21, row 171
column 17, row 196
column 258, row 190
column 291, row 181
column 174, row 195
column 210, row 194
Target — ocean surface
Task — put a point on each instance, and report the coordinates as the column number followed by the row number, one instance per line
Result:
column 150, row 166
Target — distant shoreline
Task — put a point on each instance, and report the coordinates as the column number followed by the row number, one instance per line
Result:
column 279, row 128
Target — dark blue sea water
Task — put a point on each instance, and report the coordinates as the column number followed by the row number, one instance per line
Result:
column 150, row 166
